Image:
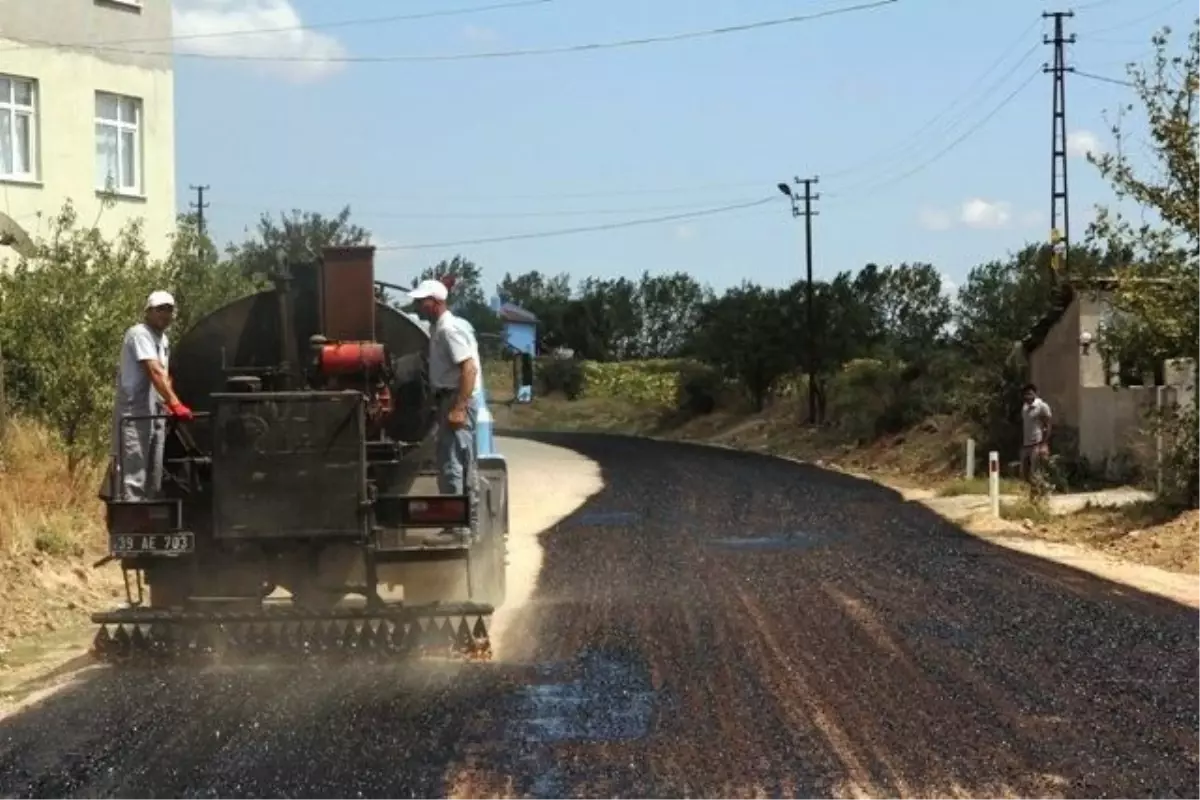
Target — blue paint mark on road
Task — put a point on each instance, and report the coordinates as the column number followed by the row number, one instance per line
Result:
column 786, row 541
column 612, row 700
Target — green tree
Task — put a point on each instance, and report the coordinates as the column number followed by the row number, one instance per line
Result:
column 669, row 307
column 1155, row 288
column 533, row 289
column 913, row 310
column 64, row 312
column 748, row 335
column 297, row 237
column 1157, row 311
column 603, row 322
column 467, row 298
column 199, row 279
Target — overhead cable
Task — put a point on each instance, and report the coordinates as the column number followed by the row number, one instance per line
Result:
column 543, row 51
column 584, row 229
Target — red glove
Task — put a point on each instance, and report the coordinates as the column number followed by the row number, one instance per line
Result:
column 180, row 411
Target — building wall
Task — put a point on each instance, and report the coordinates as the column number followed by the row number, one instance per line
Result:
column 521, row 336
column 1114, row 435
column 65, row 140
column 1055, row 368
column 1092, row 309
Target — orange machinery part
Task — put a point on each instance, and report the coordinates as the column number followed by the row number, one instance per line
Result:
column 352, row 358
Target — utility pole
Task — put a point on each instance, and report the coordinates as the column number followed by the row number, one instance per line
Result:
column 808, row 213
column 1059, row 237
column 199, row 205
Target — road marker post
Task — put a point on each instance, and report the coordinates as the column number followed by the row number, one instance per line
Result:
column 970, row 471
column 994, row 481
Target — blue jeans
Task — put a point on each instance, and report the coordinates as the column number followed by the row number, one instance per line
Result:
column 456, row 466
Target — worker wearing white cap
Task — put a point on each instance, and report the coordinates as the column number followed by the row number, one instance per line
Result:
column 143, row 390
column 453, row 370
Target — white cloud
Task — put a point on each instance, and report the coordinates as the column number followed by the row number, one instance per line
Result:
column 1082, row 143
column 979, row 213
column 934, row 219
column 206, row 18
column 684, row 232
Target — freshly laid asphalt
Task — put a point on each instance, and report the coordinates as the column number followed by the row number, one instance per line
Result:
column 708, row 624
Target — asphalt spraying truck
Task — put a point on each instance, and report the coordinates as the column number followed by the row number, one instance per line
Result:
column 299, row 510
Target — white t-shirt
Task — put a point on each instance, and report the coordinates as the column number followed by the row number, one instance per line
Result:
column 451, row 342
column 136, row 395
column 1034, row 416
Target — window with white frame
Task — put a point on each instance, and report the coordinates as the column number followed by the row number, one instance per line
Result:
column 118, row 143
column 18, row 128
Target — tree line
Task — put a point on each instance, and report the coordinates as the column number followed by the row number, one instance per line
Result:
column 912, row 348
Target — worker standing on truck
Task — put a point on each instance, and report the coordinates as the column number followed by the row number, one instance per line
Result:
column 143, row 389
column 453, row 371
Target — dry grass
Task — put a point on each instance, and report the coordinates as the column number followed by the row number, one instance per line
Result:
column 41, row 508
column 927, row 456
column 51, row 529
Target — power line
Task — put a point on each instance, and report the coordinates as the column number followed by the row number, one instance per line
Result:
column 583, row 229
column 916, row 140
column 533, row 214
column 312, row 26
column 1128, row 23
column 1095, row 77
column 578, row 48
column 953, row 144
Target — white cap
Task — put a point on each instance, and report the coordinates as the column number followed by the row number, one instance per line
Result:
column 159, row 298
column 429, row 288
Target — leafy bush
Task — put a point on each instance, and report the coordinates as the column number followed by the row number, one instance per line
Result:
column 643, row 382
column 562, row 375
column 863, row 396
column 699, row 389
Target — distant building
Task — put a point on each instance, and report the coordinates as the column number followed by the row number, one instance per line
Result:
column 88, row 125
column 1101, row 412
column 520, row 328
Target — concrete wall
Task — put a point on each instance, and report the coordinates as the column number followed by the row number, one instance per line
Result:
column 1113, row 433
column 1055, row 368
column 66, row 81
column 1092, row 308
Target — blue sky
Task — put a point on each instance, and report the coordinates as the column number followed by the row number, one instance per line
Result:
column 442, row 151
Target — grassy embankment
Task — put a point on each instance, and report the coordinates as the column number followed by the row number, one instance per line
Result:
column 925, row 462
column 51, row 531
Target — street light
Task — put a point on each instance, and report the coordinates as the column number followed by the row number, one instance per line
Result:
column 810, row 353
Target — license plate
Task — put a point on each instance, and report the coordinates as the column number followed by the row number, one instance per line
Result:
column 164, row 543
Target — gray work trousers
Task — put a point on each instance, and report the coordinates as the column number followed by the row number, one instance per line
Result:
column 136, row 469
column 456, row 456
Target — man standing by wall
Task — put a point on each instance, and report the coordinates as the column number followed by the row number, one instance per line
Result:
column 453, row 371
column 1035, row 432
column 143, row 389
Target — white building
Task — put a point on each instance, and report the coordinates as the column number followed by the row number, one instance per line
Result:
column 88, row 124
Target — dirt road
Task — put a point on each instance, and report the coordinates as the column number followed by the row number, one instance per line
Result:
column 706, row 624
